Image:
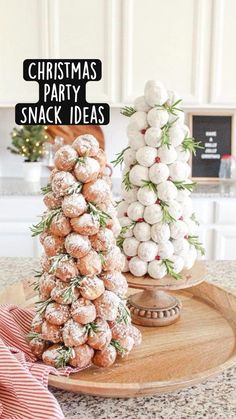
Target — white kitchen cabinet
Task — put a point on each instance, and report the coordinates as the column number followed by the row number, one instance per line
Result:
column 223, row 66
column 225, row 243
column 22, row 36
column 17, row 214
column 85, row 29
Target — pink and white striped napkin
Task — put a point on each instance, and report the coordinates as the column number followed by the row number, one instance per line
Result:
column 23, row 381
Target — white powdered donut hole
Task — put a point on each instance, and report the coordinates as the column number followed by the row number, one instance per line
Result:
column 135, row 211
column 155, row 93
column 147, row 251
column 140, row 104
column 176, row 134
column 138, row 174
column 192, row 226
column 152, row 136
column 182, row 195
column 179, row 115
column 167, row 191
column 142, row 232
column 125, row 221
column 165, row 250
column 157, row 269
column 187, row 207
column 126, row 266
column 136, row 138
column 175, row 209
column 186, row 131
column 130, row 195
column 130, row 246
column 178, row 229
column 173, row 97
column 157, row 117
column 167, row 154
column 158, row 173
column 146, row 156
column 137, row 266
column 160, row 232
column 182, row 155
column 178, row 263
column 153, row 214
column 181, row 247
column 190, row 258
column 179, row 171
column 146, row 196
column 129, row 157
column 140, row 119
column 122, row 209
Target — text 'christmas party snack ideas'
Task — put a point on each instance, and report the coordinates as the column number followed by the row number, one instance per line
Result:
column 158, row 236
column 82, row 317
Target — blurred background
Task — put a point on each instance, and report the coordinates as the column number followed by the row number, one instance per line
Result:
column 187, row 44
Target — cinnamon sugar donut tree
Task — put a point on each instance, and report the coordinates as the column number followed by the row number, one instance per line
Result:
column 81, row 288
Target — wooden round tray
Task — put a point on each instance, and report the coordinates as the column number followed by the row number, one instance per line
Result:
column 201, row 344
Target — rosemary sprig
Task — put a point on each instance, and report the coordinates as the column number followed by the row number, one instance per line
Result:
column 75, row 188
column 124, row 314
column 166, row 216
column 33, row 335
column 35, row 286
column 55, row 260
column 65, row 354
column 191, row 145
column 169, row 264
column 68, row 293
column 120, row 241
column 173, row 109
column 91, row 328
column 127, row 111
column 165, row 139
column 182, row 185
column 194, row 219
column 45, row 222
column 118, row 202
column 150, row 185
column 127, row 182
column 38, row 274
column 46, row 189
column 194, row 241
column 42, row 305
column 81, row 160
column 120, row 157
column 130, row 226
column 102, row 258
column 98, row 214
column 118, row 346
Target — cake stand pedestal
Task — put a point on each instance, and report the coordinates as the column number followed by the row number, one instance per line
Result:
column 154, row 306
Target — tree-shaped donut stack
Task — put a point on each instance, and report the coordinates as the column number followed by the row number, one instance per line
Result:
column 158, row 234
column 82, row 316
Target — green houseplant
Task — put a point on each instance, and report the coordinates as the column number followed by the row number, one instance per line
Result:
column 28, row 141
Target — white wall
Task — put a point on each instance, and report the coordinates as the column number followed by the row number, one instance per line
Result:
column 10, row 165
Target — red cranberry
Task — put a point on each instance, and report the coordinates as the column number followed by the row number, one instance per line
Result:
column 158, row 257
column 186, row 236
column 181, row 218
column 169, row 178
column 125, row 214
column 140, row 220
column 129, row 257
column 143, row 131
column 158, row 201
column 157, row 159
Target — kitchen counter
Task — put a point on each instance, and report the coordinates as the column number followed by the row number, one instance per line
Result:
column 19, row 187
column 213, row 399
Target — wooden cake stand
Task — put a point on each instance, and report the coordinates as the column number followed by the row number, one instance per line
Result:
column 200, row 345
column 154, row 306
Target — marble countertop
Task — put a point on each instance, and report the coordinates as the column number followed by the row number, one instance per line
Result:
column 19, row 187
column 212, row 399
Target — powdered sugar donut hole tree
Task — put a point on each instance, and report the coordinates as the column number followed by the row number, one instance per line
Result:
column 81, row 317
column 158, row 235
